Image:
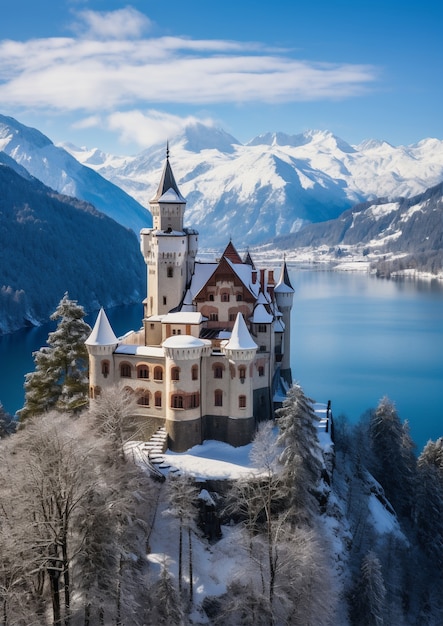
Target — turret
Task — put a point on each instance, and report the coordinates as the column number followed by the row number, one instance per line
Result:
column 240, row 349
column 184, row 375
column 284, row 295
column 101, row 344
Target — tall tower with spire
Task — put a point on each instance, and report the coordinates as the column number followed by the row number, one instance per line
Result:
column 284, row 295
column 169, row 249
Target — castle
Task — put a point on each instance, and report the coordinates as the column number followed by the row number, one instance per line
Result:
column 212, row 357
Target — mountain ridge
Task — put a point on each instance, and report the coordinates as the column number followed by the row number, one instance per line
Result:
column 276, row 182
column 50, row 244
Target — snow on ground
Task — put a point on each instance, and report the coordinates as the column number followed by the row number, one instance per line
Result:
column 212, row 459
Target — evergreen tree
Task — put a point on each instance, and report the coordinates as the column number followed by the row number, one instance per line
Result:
column 7, row 424
column 368, row 598
column 301, row 455
column 60, row 379
column 429, row 500
column 394, row 457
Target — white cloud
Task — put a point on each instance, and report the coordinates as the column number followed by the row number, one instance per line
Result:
column 148, row 128
column 119, row 24
column 111, row 66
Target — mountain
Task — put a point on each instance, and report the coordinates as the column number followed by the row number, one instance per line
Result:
column 407, row 232
column 50, row 243
column 276, row 183
column 57, row 169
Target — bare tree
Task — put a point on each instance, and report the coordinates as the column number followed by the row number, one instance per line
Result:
column 183, row 498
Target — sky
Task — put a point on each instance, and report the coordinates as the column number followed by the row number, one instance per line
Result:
column 122, row 76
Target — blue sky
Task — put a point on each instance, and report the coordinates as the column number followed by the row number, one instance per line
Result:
column 123, row 75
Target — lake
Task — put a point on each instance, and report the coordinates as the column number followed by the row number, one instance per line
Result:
column 355, row 339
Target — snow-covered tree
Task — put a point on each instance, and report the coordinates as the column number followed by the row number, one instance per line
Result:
column 368, row 597
column 7, row 424
column 60, row 379
column 112, row 416
column 394, row 455
column 166, row 603
column 429, row 500
column 301, row 457
column 183, row 499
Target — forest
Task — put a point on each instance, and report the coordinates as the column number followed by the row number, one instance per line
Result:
column 80, row 516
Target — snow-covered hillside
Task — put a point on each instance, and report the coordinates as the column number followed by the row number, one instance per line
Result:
column 273, row 184
column 57, row 169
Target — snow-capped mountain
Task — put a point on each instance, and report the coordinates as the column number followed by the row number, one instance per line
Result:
column 275, row 183
column 57, row 169
column 50, row 243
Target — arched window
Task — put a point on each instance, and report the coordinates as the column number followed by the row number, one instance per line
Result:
column 218, row 370
column 242, row 372
column 175, row 373
column 242, row 402
column 177, row 401
column 170, row 272
column 142, row 371
column 225, row 296
column 158, row 373
column 158, row 399
column 211, row 297
column 143, row 398
column 194, row 372
column 105, row 368
column 239, row 297
column 218, row 397
column 261, row 370
column 125, row 370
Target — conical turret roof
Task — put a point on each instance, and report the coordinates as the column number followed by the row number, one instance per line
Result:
column 284, row 283
column 167, row 183
column 240, row 336
column 102, row 333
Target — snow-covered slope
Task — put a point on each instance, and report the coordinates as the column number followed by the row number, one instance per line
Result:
column 57, row 169
column 273, row 184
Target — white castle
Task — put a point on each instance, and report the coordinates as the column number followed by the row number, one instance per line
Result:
column 212, row 357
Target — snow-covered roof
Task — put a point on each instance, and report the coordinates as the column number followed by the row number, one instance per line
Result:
column 184, row 341
column 172, row 197
column 261, row 315
column 202, row 273
column 284, row 283
column 149, row 351
column 240, row 338
column 262, row 299
column 183, row 317
column 279, row 326
column 167, row 183
column 102, row 333
column 244, row 272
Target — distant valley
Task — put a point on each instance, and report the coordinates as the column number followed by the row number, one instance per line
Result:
column 309, row 196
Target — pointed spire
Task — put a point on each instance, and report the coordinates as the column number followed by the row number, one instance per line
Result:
column 240, row 336
column 284, row 283
column 167, row 182
column 231, row 253
column 102, row 333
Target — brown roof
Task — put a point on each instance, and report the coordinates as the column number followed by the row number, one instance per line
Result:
column 231, row 253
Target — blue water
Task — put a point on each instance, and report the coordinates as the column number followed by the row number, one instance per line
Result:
column 355, row 339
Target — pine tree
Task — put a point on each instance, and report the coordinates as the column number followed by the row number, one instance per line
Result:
column 429, row 500
column 368, row 598
column 301, row 455
column 60, row 379
column 393, row 450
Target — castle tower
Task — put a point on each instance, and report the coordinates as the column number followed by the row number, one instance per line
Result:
column 101, row 344
column 185, row 385
column 284, row 295
column 240, row 349
column 168, row 248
